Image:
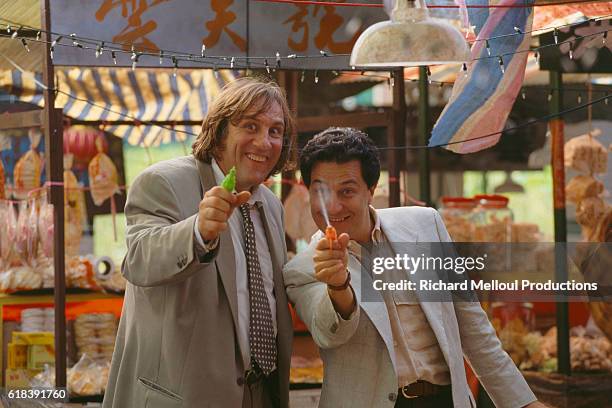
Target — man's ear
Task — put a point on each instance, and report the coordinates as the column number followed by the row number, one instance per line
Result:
column 372, row 190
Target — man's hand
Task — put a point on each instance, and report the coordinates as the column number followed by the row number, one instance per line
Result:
column 215, row 209
column 331, row 268
column 331, row 265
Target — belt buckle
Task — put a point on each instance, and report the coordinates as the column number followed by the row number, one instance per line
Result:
column 408, row 396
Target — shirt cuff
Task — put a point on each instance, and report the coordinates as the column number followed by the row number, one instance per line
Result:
column 203, row 248
column 196, row 231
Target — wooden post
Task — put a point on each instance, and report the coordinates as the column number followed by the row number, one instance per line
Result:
column 396, row 136
column 558, row 170
column 288, row 80
column 54, row 152
column 423, row 138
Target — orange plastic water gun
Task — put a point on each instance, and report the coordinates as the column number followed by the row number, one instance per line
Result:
column 331, row 235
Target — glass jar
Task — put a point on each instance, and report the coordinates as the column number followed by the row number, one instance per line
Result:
column 493, row 219
column 458, row 216
column 493, row 231
column 513, row 322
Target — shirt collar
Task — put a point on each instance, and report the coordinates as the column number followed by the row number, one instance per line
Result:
column 377, row 235
column 256, row 194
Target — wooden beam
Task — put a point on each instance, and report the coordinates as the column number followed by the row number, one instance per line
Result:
column 288, row 80
column 19, row 120
column 54, row 153
column 560, row 221
column 423, row 138
column 396, row 136
column 359, row 120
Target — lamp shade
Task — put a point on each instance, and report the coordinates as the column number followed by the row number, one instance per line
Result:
column 410, row 38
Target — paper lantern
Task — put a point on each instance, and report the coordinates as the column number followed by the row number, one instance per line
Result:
column 80, row 141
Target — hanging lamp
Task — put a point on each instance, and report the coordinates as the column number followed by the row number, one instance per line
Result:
column 410, row 38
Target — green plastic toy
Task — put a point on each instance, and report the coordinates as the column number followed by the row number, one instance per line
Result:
column 229, row 182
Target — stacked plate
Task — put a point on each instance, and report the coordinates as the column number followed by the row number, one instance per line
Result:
column 95, row 335
column 37, row 320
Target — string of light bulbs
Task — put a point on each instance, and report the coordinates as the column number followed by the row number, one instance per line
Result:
column 175, row 57
column 382, row 148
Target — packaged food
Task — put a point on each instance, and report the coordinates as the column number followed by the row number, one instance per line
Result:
column 103, row 178
column 2, row 182
column 581, row 187
column 8, row 233
column 586, row 155
column 525, row 232
column 589, row 211
column 19, row 278
column 45, row 227
column 28, row 168
column 74, row 204
column 21, row 238
column 32, row 233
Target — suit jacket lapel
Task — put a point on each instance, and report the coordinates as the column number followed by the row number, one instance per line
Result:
column 376, row 310
column 225, row 259
column 396, row 233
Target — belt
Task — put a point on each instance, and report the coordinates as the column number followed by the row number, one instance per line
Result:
column 421, row 388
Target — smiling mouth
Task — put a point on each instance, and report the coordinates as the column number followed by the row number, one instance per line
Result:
column 338, row 219
column 256, row 158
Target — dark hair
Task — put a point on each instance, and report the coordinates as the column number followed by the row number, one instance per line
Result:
column 234, row 100
column 341, row 145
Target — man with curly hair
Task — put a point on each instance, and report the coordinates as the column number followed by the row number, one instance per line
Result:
column 386, row 351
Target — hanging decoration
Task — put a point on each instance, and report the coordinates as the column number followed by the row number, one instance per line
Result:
column 74, row 204
column 103, row 181
column 80, row 141
column 103, row 178
column 2, row 181
column 483, row 98
column 29, row 167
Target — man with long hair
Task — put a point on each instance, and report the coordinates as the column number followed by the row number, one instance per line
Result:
column 205, row 320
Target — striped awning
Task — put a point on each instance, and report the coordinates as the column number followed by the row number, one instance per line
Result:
column 120, row 94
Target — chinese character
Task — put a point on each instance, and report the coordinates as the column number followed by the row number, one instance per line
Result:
column 299, row 24
column 135, row 32
column 221, row 23
column 328, row 25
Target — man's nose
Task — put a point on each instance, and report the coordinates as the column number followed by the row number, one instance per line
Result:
column 334, row 206
column 262, row 140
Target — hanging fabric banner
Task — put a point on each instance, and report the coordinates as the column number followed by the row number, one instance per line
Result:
column 483, row 97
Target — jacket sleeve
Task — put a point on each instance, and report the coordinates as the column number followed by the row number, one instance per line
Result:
column 160, row 241
column 313, row 304
column 493, row 366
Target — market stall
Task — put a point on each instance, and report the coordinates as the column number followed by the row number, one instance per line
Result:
column 148, row 106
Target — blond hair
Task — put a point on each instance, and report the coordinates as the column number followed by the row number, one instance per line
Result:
column 234, row 100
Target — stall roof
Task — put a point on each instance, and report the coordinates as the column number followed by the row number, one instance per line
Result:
column 105, row 94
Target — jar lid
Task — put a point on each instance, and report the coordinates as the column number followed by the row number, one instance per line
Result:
column 492, row 200
column 463, row 202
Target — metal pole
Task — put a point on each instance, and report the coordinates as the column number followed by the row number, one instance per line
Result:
column 423, row 138
column 54, row 153
column 396, row 136
column 558, row 170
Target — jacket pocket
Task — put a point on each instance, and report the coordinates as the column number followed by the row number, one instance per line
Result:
column 159, row 389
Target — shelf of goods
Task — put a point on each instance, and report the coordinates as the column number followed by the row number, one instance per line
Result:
column 27, row 339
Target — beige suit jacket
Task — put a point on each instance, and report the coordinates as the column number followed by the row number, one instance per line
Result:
column 359, row 355
column 177, row 345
